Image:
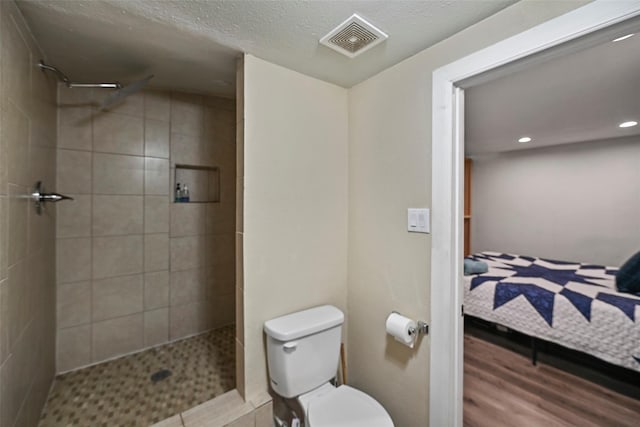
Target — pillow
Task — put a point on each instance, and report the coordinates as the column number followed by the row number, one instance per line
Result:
column 628, row 277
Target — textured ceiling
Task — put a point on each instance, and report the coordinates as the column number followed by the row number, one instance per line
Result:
column 192, row 45
column 577, row 97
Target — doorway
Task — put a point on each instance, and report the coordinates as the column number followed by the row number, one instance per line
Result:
column 446, row 387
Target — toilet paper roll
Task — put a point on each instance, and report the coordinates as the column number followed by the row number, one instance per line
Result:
column 399, row 327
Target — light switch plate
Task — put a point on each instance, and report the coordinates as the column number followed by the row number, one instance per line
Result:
column 418, row 220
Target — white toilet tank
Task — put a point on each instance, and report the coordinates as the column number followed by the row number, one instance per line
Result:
column 303, row 349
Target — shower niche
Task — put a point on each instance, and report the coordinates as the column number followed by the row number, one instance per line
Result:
column 196, row 184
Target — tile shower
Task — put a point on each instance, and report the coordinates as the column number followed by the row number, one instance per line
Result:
column 121, row 269
column 134, row 269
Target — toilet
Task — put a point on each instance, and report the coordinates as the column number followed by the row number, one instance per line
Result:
column 303, row 350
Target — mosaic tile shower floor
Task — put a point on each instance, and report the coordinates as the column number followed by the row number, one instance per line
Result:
column 121, row 393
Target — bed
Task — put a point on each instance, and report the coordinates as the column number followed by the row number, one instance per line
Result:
column 572, row 304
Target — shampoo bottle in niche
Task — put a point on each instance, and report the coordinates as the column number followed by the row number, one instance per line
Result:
column 178, row 195
column 185, row 193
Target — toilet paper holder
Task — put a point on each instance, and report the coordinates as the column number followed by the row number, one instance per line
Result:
column 421, row 327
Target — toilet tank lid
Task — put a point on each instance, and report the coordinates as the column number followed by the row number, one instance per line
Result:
column 302, row 323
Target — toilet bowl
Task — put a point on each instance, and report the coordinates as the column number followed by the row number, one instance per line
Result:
column 344, row 406
column 303, row 350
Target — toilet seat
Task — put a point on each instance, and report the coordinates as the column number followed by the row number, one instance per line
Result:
column 346, row 407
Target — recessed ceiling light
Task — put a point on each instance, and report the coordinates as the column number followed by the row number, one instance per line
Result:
column 524, row 139
column 619, row 39
column 628, row 124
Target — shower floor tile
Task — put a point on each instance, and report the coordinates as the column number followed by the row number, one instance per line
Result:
column 121, row 392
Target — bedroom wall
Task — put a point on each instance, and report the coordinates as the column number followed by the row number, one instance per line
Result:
column 389, row 171
column 295, row 202
column 577, row 202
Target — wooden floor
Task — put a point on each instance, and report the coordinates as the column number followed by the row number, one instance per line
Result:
column 503, row 388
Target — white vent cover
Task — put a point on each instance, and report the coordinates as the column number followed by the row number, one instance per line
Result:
column 353, row 36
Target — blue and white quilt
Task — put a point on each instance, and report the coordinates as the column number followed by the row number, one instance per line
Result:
column 572, row 304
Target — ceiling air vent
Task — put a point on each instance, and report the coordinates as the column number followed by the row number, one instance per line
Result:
column 353, row 36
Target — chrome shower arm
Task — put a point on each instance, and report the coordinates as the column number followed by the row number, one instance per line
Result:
column 64, row 79
column 61, row 76
column 116, row 85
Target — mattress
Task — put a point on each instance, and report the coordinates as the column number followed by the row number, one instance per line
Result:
column 572, row 304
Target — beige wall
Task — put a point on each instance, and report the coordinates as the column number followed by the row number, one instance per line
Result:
column 134, row 269
column 27, row 241
column 389, row 171
column 295, row 201
column 578, row 202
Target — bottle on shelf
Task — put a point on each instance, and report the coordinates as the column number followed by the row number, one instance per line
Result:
column 185, row 194
column 178, row 195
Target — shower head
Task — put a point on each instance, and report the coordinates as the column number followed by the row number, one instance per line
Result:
column 123, row 92
column 64, row 79
column 111, row 99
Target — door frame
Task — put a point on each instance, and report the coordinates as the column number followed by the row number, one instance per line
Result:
column 446, row 353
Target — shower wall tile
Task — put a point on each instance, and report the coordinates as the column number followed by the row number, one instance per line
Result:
column 16, row 74
column 15, row 132
column 75, row 129
column 156, row 290
column 187, row 115
column 73, row 217
column 4, row 242
column 220, row 103
column 18, row 293
column 117, row 174
column 16, row 377
column 42, row 163
column 132, row 105
column 156, row 327
column 188, row 319
column 156, row 176
column 117, row 336
column 118, row 133
column 188, row 252
column 73, row 260
column 157, row 105
column 223, row 310
column 117, row 256
column 4, row 320
column 156, row 138
column 156, row 252
column 74, row 172
column 156, row 214
column 117, row 215
column 18, row 211
column 188, row 219
column 221, row 249
column 74, row 348
column 117, row 296
column 188, row 286
column 73, row 304
column 28, row 122
column 220, row 218
column 220, row 124
column 4, row 175
column 222, row 279
column 78, row 98
column 188, row 150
